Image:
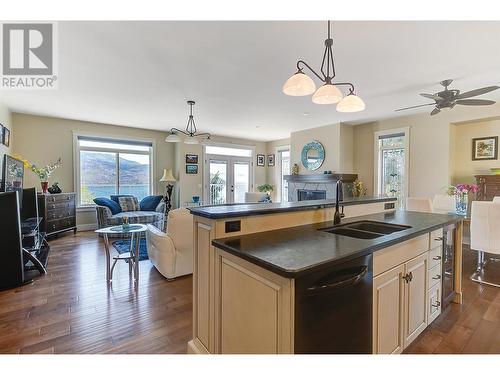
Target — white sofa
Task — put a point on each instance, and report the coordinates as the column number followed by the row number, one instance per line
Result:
column 172, row 252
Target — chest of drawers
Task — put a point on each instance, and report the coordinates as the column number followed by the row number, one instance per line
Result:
column 489, row 187
column 58, row 212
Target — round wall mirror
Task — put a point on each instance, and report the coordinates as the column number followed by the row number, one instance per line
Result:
column 313, row 155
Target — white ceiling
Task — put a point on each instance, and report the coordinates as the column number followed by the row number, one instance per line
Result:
column 141, row 73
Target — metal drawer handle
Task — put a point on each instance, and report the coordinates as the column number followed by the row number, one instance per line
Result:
column 438, row 257
column 438, row 239
column 437, row 304
column 437, row 277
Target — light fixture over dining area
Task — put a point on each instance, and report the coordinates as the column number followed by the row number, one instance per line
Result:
column 191, row 133
column 300, row 84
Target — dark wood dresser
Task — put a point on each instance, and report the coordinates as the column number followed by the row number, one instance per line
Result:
column 58, row 212
column 489, row 187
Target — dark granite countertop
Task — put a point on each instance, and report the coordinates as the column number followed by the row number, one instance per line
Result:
column 297, row 251
column 250, row 209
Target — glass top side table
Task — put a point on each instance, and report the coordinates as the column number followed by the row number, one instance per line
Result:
column 135, row 231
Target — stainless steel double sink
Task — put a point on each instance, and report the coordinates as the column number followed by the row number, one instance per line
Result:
column 366, row 229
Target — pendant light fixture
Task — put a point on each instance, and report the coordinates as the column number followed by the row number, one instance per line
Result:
column 192, row 136
column 300, row 84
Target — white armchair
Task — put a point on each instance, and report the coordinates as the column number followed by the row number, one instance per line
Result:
column 172, row 252
column 485, row 237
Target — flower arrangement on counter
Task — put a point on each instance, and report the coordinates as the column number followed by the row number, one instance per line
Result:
column 43, row 173
column 461, row 194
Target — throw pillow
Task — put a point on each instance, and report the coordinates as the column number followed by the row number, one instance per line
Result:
column 106, row 202
column 150, row 203
column 129, row 204
column 116, row 197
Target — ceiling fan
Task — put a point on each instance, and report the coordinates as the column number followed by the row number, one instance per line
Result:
column 448, row 98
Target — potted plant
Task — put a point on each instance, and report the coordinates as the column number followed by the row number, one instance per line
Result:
column 266, row 188
column 359, row 189
column 461, row 194
column 43, row 173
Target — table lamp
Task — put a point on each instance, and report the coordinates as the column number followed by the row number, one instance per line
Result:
column 168, row 177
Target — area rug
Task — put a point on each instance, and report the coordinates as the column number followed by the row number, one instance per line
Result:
column 123, row 246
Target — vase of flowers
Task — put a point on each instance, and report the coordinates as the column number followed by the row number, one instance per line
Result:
column 358, row 189
column 461, row 193
column 268, row 189
column 43, row 173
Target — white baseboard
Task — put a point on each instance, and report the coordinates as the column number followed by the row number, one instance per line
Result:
column 86, row 227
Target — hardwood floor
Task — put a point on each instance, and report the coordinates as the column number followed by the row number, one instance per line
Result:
column 71, row 310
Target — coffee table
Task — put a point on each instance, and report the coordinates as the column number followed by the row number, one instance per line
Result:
column 132, row 257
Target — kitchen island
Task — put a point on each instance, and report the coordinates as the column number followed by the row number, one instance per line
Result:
column 262, row 273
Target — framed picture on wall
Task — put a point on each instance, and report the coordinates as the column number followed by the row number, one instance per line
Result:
column 191, row 159
column 270, row 160
column 6, row 136
column 191, row 169
column 261, row 160
column 485, row 148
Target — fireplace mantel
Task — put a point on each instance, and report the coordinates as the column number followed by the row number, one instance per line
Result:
column 321, row 178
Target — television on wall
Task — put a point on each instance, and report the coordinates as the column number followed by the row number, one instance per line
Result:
column 12, row 174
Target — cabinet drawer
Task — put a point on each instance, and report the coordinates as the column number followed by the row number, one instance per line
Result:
column 434, row 275
column 60, row 206
column 56, row 225
column 434, row 303
column 435, row 256
column 436, row 238
column 57, row 198
column 60, row 214
column 492, row 190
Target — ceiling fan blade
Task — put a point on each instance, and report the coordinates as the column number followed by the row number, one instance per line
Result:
column 475, row 102
column 435, row 111
column 415, row 106
column 476, row 92
column 432, row 96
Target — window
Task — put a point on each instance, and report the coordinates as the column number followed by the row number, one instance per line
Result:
column 228, row 151
column 391, row 168
column 108, row 166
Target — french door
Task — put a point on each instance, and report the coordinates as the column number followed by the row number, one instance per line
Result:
column 227, row 179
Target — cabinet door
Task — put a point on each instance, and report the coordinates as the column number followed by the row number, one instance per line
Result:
column 415, row 297
column 388, row 296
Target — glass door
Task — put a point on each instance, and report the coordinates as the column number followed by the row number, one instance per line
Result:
column 240, row 180
column 229, row 178
column 218, row 181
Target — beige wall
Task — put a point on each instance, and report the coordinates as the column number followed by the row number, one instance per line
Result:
column 272, row 172
column 6, row 120
column 430, row 147
column 43, row 140
column 464, row 168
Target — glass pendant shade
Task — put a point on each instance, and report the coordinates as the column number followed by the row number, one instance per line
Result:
column 327, row 94
column 174, row 138
column 351, row 103
column 191, row 141
column 299, row 84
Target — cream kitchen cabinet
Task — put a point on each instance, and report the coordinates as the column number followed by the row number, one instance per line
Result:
column 400, row 295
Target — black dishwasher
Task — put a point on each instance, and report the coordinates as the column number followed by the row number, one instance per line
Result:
column 333, row 309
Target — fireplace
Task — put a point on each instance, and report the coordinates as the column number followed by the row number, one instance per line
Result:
column 310, row 195
column 318, row 186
